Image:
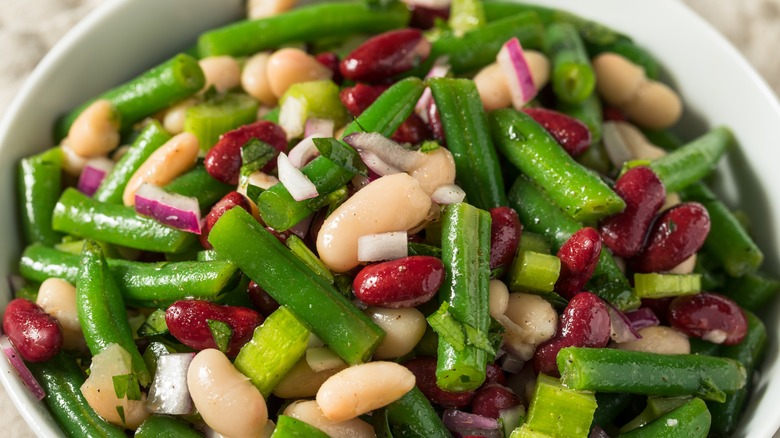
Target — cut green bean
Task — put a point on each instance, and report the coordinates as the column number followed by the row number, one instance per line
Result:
column 465, row 248
column 580, row 193
column 209, row 120
column 555, row 410
column 299, row 248
column 656, row 406
column 534, row 272
column 691, row 420
column 540, row 216
column 40, row 184
column 274, row 349
column 80, row 215
column 149, row 140
column 749, row 353
column 148, row 93
column 468, row 138
column 572, row 76
column 610, row 406
column 692, row 162
column 164, row 426
column 141, row 284
column 61, row 379
column 308, row 23
column 727, row 240
column 752, row 291
column 198, row 184
column 278, row 208
column 655, row 285
column 638, row 372
column 589, row 112
column 346, row 330
column 102, row 312
column 289, row 427
column 412, row 416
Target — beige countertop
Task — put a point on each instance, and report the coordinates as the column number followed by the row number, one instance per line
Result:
column 28, row 28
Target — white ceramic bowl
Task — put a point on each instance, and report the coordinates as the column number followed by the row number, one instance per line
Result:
column 124, row 37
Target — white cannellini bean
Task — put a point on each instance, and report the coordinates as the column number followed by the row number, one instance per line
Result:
column 686, row 266
column 173, row 120
column 499, row 298
column 290, row 66
column 57, row 297
column 254, row 79
column 99, row 391
column 617, row 78
column 529, row 320
column 672, row 199
column 362, row 388
column 390, row 203
column 492, row 86
column 659, row 339
column 95, row 131
column 403, row 327
column 436, row 169
column 268, row 8
column 654, row 106
column 72, row 163
column 639, row 145
column 226, row 400
column 172, row 159
column 221, row 72
column 303, row 382
column 309, row 412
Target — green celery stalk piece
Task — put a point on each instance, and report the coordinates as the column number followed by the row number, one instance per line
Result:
column 556, row 410
column 654, row 285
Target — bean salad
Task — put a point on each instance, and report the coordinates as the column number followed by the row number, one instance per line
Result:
column 427, row 218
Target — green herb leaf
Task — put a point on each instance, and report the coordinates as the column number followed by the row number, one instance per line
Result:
column 429, row 146
column 252, row 191
column 416, row 248
column 154, row 325
column 121, row 411
column 126, row 385
column 447, row 327
column 332, row 200
column 255, row 154
column 381, row 423
column 221, row 332
column 341, row 154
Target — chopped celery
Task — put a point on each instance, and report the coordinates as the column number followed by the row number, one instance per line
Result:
column 314, row 99
column 466, row 15
column 655, row 285
column 556, row 410
column 209, row 120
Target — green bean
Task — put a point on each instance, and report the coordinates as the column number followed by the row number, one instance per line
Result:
column 152, row 91
column 278, row 208
column 752, row 291
column 692, row 162
column 727, row 240
column 540, row 216
column 610, row 405
column 691, row 420
column 638, row 372
column 748, row 352
column 80, row 215
column 576, row 190
column 334, row 319
column 465, row 248
column 151, row 137
column 61, row 379
column 197, row 183
column 289, row 427
column 468, row 138
column 142, row 284
column 304, row 24
column 102, row 312
column 479, row 47
column 40, row 184
column 572, row 76
column 589, row 112
column 164, row 426
column 412, row 416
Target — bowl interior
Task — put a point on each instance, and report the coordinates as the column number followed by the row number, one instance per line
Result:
column 124, row 37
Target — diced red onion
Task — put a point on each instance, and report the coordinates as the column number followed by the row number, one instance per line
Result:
column 292, row 116
column 440, row 69
column 448, row 194
column 642, row 317
column 617, row 149
column 464, row 424
column 320, row 128
column 512, row 364
column 620, row 327
column 515, row 67
column 302, row 227
column 597, row 432
column 178, row 211
column 388, row 151
column 376, row 165
column 299, row 186
column 383, row 246
column 303, row 152
column 169, row 393
column 93, row 174
column 16, row 361
column 433, row 4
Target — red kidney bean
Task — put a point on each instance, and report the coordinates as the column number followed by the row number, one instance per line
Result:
column 232, row 199
column 35, row 334
column 413, row 130
column 624, row 233
column 223, row 161
column 405, row 282
column 425, row 18
column 260, row 299
column 709, row 316
column 505, row 231
column 612, row 114
column 569, row 132
column 491, row 399
column 584, row 323
column 494, row 374
column 579, row 256
column 424, row 370
column 188, row 322
column 386, row 55
column 331, row 60
column 674, row 236
column 360, row 96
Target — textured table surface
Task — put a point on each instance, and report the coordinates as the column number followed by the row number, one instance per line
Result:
column 28, row 28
